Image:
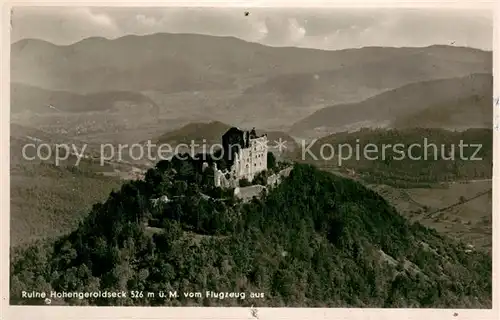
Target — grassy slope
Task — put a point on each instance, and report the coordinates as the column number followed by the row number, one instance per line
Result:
column 459, row 210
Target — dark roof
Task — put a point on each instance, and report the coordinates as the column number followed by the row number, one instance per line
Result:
column 233, row 131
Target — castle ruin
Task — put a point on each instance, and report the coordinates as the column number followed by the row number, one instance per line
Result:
column 246, row 154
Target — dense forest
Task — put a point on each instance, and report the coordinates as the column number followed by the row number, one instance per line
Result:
column 315, row 240
column 441, row 160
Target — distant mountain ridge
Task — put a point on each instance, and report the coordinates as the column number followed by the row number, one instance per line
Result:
column 180, row 62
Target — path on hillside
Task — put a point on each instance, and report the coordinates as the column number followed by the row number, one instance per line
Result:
column 431, row 214
column 472, row 181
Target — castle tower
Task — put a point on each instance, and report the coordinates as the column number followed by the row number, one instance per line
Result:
column 246, row 152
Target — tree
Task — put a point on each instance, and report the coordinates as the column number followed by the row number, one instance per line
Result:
column 271, row 161
column 261, row 178
column 163, row 166
column 244, row 182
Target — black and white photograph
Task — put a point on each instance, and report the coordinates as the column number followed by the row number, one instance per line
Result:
column 251, row 157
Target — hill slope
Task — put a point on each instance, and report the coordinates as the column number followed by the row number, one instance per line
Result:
column 197, row 131
column 406, row 101
column 472, row 111
column 353, row 83
column 387, row 156
column 47, row 200
column 212, row 133
column 28, row 98
column 315, row 240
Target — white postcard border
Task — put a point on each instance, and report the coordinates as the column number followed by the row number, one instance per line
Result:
column 54, row 312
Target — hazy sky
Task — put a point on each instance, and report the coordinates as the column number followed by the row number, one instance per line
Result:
column 315, row 28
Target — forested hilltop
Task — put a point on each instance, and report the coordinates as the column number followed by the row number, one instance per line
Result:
column 315, row 240
column 436, row 156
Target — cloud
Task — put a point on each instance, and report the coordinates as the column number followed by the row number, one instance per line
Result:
column 283, row 31
column 86, row 15
column 296, row 31
column 61, row 25
column 316, row 28
column 148, row 22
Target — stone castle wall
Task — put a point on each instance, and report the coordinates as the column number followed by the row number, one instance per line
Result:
column 247, row 164
column 276, row 179
column 247, row 193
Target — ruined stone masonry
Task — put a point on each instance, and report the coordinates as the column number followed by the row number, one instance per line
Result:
column 247, row 154
column 247, row 193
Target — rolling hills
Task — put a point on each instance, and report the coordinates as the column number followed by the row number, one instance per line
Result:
column 211, row 133
column 353, row 83
column 197, row 131
column 474, row 111
column 437, row 98
column 221, row 78
column 405, row 158
column 28, row 98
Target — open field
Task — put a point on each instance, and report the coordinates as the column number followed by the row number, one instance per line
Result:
column 448, row 209
column 460, row 209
